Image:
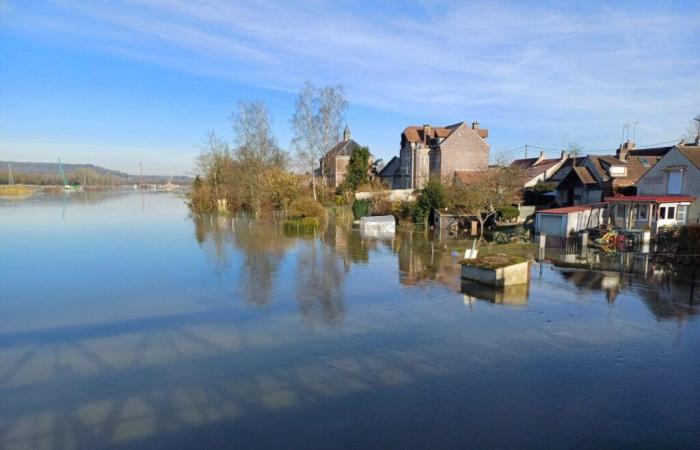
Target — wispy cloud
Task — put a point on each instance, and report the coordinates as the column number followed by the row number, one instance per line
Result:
column 583, row 67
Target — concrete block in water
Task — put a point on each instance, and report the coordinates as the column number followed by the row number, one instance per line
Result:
column 378, row 225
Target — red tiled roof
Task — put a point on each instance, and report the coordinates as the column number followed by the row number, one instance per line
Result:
column 651, row 198
column 692, row 152
column 570, row 209
column 417, row 133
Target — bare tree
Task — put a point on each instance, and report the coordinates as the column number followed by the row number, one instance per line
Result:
column 484, row 192
column 692, row 131
column 256, row 152
column 574, row 150
column 210, row 162
column 318, row 116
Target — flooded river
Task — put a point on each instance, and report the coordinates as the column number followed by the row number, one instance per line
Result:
column 127, row 324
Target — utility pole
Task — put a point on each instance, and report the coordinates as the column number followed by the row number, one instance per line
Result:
column 525, row 151
column 140, row 174
column 9, row 174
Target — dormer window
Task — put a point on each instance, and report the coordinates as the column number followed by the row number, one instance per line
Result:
column 618, row 171
column 674, row 180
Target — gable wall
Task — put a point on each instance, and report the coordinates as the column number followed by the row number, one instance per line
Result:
column 463, row 150
column 654, row 181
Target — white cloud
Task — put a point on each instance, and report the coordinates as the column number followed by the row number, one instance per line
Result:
column 517, row 66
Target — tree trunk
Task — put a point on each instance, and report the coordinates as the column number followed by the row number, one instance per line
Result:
column 313, row 182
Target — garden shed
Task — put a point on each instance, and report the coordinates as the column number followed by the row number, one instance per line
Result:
column 563, row 221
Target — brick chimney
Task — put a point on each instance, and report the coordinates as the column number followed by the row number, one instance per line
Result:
column 624, row 150
column 426, row 133
column 475, row 125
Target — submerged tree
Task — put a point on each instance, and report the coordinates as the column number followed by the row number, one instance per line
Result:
column 256, row 153
column 484, row 192
column 318, row 117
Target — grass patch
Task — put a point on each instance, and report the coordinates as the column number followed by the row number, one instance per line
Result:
column 495, row 261
column 14, row 189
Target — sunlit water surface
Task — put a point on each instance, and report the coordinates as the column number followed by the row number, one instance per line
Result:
column 125, row 323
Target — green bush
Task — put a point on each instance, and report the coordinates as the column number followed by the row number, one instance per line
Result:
column 684, row 239
column 507, row 213
column 361, row 208
column 306, row 207
column 402, row 210
column 431, row 197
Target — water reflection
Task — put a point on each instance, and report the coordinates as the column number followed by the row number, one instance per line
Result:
column 148, row 333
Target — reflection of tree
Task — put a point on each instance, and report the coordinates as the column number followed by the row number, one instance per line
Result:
column 262, row 245
column 319, row 284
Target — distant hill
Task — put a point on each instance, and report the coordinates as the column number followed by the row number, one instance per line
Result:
column 47, row 169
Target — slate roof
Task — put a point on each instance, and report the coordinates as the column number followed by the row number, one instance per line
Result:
column 391, row 167
column 343, row 148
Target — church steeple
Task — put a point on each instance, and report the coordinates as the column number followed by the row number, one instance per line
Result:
column 346, row 134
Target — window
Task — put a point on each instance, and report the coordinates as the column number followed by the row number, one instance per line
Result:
column 618, row 171
column 643, row 212
column 671, row 212
column 620, row 211
column 644, row 161
column 675, row 182
column 682, row 213
column 662, row 212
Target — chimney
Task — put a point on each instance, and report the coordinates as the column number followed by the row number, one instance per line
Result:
column 346, row 134
column 475, row 125
column 564, row 154
column 624, row 150
column 426, row 133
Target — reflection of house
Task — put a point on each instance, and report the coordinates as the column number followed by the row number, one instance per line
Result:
column 335, row 162
column 677, row 173
column 591, row 178
column 534, row 170
column 436, row 151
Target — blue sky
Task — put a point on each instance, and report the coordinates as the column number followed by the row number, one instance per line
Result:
column 115, row 83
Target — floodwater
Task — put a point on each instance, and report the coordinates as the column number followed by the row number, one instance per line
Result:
column 127, row 324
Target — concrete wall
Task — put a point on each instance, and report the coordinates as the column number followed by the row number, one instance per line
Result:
column 655, row 181
column 393, row 195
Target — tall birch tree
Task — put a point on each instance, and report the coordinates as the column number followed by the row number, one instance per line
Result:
column 318, row 117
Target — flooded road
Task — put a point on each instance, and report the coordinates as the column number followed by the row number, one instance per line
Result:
column 125, row 323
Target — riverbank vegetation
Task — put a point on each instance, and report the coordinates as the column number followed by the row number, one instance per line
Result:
column 252, row 173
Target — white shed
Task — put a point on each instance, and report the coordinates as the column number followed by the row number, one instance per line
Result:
column 563, row 221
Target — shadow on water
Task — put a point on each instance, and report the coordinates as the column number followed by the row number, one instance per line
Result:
column 339, row 340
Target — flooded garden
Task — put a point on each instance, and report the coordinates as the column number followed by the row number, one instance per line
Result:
column 129, row 323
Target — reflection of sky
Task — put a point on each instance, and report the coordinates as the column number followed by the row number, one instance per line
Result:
column 120, row 329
